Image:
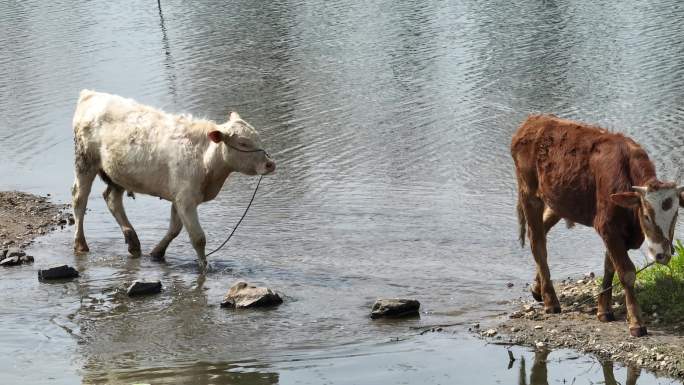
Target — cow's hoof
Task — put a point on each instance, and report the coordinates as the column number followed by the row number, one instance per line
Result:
column 536, row 295
column 157, row 256
column 638, row 331
column 81, row 247
column 606, row 317
column 133, row 243
column 552, row 310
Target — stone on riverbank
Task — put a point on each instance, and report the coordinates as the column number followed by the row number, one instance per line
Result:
column 395, row 307
column 243, row 295
column 140, row 287
column 14, row 252
column 57, row 272
column 16, row 260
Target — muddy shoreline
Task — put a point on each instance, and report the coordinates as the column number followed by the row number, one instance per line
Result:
column 24, row 217
column 577, row 327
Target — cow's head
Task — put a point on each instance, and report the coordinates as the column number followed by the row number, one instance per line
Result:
column 242, row 150
column 656, row 205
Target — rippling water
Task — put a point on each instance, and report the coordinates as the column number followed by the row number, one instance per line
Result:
column 390, row 122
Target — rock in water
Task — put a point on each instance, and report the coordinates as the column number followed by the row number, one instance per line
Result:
column 395, row 307
column 11, row 261
column 16, row 260
column 144, row 287
column 57, row 272
column 243, row 295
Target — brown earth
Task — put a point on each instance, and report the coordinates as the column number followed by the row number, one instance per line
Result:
column 577, row 327
column 24, row 217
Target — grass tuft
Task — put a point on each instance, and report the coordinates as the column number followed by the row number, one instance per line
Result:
column 661, row 288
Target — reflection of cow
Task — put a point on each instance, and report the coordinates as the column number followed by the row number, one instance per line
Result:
column 584, row 174
column 539, row 371
column 139, row 149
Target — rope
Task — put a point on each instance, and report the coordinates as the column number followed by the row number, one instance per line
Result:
column 241, row 218
column 595, row 296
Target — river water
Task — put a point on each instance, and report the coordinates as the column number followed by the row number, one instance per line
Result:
column 390, row 123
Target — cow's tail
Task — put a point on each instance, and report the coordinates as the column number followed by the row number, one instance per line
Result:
column 522, row 221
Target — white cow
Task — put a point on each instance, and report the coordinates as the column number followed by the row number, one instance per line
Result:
column 140, row 149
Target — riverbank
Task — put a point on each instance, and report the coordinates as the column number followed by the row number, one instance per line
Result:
column 24, row 217
column 662, row 351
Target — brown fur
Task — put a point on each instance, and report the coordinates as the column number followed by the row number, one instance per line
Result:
column 572, row 169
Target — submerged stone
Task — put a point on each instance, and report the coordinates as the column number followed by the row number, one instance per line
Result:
column 57, row 272
column 144, row 287
column 244, row 295
column 395, row 307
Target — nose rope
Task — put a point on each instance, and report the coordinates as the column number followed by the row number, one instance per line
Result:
column 574, row 307
column 243, row 214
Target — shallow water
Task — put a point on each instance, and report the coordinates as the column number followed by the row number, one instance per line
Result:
column 390, row 123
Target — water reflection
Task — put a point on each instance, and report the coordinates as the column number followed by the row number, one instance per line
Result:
column 198, row 373
column 539, row 374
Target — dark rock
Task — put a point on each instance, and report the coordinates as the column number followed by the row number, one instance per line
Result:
column 10, row 261
column 26, row 259
column 57, row 272
column 3, row 253
column 395, row 307
column 243, row 295
column 15, row 252
column 144, row 288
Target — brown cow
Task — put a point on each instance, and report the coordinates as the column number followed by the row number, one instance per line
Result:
column 585, row 174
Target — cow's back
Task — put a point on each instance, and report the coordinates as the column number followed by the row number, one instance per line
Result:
column 564, row 159
column 138, row 147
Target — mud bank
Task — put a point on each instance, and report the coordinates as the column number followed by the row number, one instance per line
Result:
column 24, row 217
column 662, row 351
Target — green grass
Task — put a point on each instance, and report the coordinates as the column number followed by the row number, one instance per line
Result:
column 661, row 288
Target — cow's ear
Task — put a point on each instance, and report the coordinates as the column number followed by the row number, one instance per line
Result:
column 625, row 199
column 233, row 116
column 215, row 136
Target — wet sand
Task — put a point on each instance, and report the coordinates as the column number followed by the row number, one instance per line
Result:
column 577, row 327
column 24, row 217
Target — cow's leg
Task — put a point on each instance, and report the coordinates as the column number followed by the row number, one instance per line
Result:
column 175, row 227
column 534, row 213
column 605, row 311
column 79, row 193
column 608, row 373
column 550, row 220
column 633, row 373
column 113, row 195
column 627, row 274
column 188, row 216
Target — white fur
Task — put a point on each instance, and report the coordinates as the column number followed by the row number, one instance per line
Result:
column 145, row 150
column 663, row 218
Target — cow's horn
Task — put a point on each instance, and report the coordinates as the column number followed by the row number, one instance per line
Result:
column 640, row 189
